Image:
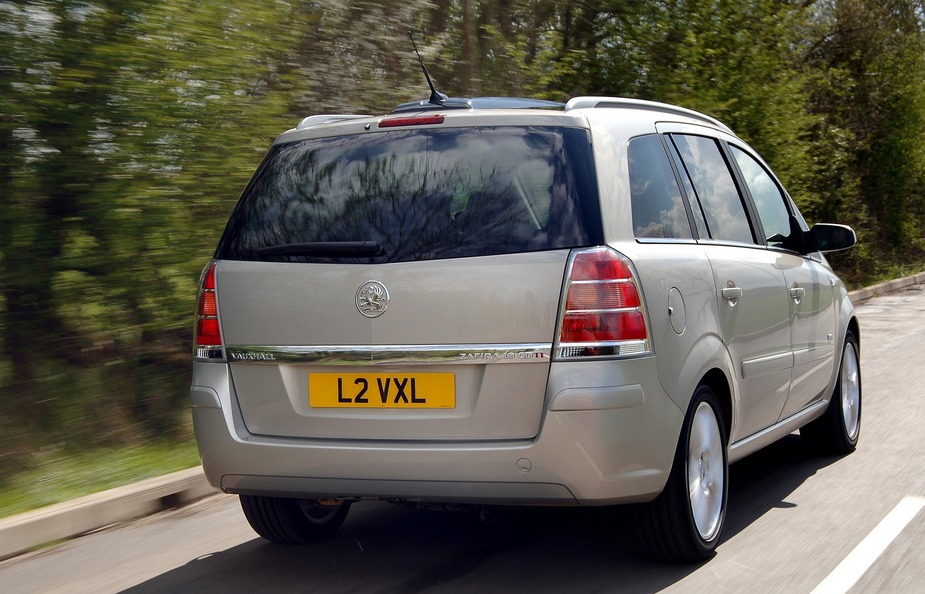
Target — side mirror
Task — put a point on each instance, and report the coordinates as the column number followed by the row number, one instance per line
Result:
column 827, row 237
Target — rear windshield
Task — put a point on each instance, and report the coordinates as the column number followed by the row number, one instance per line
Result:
column 408, row 195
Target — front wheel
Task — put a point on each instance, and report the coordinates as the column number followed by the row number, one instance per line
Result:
column 685, row 521
column 293, row 521
column 838, row 429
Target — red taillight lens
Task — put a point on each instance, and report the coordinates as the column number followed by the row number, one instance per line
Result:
column 603, row 327
column 208, row 280
column 603, row 312
column 208, row 333
column 598, row 266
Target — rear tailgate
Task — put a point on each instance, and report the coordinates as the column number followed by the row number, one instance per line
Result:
column 460, row 353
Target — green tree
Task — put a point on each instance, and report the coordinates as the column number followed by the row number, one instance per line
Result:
column 128, row 129
column 354, row 56
column 55, row 179
column 868, row 58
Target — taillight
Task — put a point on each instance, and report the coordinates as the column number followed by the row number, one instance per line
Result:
column 208, row 334
column 419, row 120
column 602, row 316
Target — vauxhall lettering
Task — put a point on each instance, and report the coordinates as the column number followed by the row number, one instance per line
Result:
column 253, row 356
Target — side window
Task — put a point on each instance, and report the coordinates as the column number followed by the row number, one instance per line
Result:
column 714, row 187
column 658, row 209
column 769, row 200
column 696, row 209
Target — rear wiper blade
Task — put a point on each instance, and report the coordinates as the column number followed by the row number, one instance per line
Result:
column 344, row 249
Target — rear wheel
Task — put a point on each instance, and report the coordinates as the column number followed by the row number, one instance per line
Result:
column 294, row 521
column 838, row 429
column 685, row 521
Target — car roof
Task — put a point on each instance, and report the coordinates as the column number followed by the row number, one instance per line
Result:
column 452, row 107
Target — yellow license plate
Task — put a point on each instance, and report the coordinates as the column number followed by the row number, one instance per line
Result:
column 382, row 390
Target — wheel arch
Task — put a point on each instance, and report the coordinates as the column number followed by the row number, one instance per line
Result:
column 855, row 328
column 716, row 379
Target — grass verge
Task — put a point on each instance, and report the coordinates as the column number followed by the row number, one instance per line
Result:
column 60, row 476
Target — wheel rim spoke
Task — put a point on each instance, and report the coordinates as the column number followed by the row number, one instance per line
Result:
column 706, row 472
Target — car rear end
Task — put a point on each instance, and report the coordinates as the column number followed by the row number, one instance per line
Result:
column 425, row 309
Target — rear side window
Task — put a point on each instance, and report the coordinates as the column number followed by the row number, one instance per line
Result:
column 714, row 188
column 658, row 209
column 419, row 195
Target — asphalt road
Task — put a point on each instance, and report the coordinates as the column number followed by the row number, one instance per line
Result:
column 796, row 523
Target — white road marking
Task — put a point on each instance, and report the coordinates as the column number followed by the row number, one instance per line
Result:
column 858, row 561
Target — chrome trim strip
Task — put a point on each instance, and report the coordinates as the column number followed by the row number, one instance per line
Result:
column 812, row 353
column 390, row 354
column 608, row 310
column 759, row 366
column 611, row 349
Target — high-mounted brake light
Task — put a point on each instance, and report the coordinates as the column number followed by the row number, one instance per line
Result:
column 208, row 337
column 603, row 314
column 412, row 121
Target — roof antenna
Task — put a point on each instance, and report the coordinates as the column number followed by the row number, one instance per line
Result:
column 436, row 97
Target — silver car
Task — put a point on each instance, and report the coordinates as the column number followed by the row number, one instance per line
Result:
column 515, row 302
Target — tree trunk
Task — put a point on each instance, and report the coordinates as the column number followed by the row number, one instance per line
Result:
column 470, row 83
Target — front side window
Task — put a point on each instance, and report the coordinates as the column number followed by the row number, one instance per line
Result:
column 714, row 188
column 768, row 198
column 658, row 209
column 419, row 195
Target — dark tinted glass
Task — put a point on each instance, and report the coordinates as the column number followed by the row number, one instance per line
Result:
column 421, row 194
column 658, row 210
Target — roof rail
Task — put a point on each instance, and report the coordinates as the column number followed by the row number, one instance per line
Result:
column 479, row 103
column 317, row 120
column 623, row 102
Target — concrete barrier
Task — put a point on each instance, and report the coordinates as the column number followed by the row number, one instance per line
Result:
column 887, row 287
column 26, row 531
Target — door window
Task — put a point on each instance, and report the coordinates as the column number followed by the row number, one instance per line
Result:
column 696, row 208
column 714, row 188
column 768, row 198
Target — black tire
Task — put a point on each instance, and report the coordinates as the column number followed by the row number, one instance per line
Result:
column 293, row 521
column 838, row 429
column 685, row 522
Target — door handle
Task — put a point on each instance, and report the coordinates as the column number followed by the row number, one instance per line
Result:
column 732, row 293
column 797, row 292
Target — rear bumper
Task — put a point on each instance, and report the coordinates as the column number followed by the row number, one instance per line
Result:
column 608, row 436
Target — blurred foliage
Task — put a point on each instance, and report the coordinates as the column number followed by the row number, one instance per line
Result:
column 128, row 128
column 54, row 476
